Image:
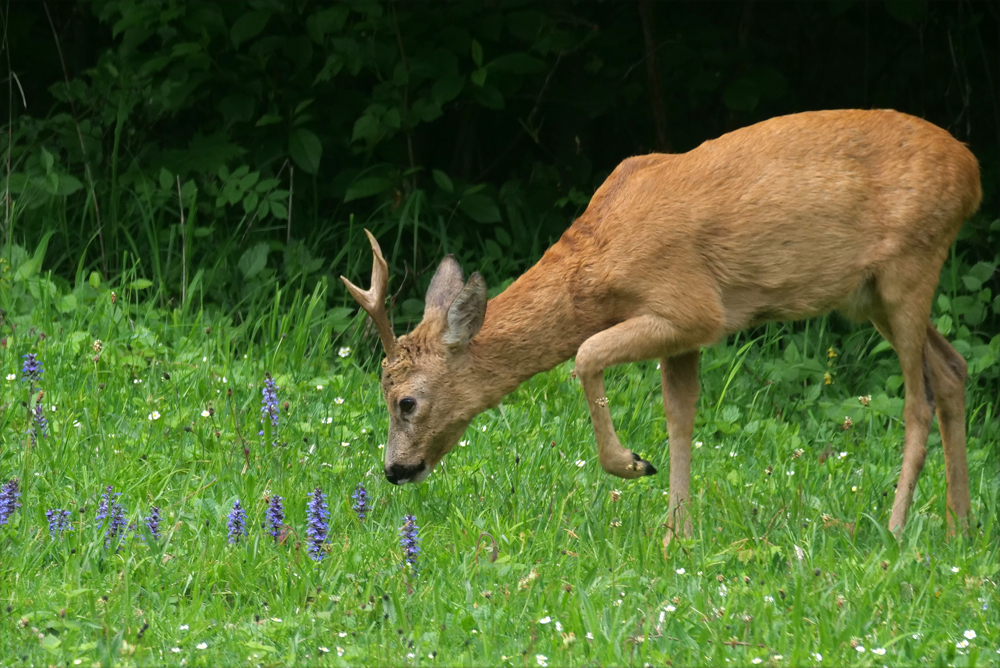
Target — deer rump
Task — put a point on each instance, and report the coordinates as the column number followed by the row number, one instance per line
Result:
column 786, row 219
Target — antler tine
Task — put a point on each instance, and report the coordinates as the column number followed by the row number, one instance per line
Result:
column 373, row 299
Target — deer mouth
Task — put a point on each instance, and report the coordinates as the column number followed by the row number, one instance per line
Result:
column 401, row 474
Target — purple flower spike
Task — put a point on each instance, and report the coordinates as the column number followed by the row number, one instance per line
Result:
column 360, row 506
column 109, row 509
column 40, row 426
column 409, row 539
column 58, row 521
column 237, row 523
column 9, row 494
column 32, row 369
column 153, row 522
column 318, row 516
column 275, row 516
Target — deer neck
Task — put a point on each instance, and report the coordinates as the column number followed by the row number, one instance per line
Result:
column 534, row 325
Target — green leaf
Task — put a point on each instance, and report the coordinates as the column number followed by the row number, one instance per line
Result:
column 447, row 89
column 366, row 187
column 268, row 119
column 140, row 284
column 477, row 53
column 367, row 128
column 47, row 160
column 260, row 647
column 68, row 184
column 442, row 181
column 983, row 271
column 167, row 179
column 50, row 642
column 253, row 260
column 306, row 150
column 248, row 26
column 248, row 181
column 94, row 280
column 279, row 210
column 480, row 208
column 478, row 77
column 488, row 96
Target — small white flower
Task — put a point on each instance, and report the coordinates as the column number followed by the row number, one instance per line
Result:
column 484, row 428
column 11, row 376
column 76, row 423
column 792, row 472
column 590, row 636
column 778, row 657
column 342, row 634
column 276, row 619
column 344, row 352
column 580, row 463
column 756, row 660
column 854, row 488
column 970, row 634
column 768, row 599
column 732, row 453
column 155, row 415
column 136, row 381
column 463, row 443
column 860, row 649
column 843, row 454
column 340, row 651
column 338, row 400
column 698, row 444
column 545, row 620
column 225, row 380
column 53, row 409
column 817, row 656
column 663, row 616
column 327, row 420
column 681, row 571
column 202, row 645
column 77, row 662
column 205, row 413
column 204, row 359
column 962, row 644
column 184, row 627
column 175, row 650
column 559, row 627
column 670, row 608
column 879, row 650
column 542, row 660
column 344, row 444
column 319, row 387
column 917, row 636
column 323, row 649
column 955, row 569
column 618, row 603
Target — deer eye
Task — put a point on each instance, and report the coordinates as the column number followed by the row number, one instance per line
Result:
column 407, row 404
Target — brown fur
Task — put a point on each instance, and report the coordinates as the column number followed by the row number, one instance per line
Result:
column 787, row 219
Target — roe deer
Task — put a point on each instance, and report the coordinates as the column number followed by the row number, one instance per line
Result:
column 786, row 219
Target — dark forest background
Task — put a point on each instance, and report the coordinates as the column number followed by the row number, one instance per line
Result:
column 210, row 152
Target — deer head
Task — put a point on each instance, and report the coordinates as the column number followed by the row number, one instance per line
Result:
column 425, row 374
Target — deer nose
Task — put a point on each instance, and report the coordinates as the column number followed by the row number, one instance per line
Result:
column 400, row 474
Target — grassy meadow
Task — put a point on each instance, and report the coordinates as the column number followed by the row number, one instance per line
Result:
column 529, row 554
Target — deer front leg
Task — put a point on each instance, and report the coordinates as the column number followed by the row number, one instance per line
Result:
column 639, row 338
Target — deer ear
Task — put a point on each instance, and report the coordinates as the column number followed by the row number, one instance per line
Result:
column 467, row 312
column 445, row 287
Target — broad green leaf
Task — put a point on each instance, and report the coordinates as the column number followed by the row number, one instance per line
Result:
column 249, row 26
column 306, row 150
column 477, row 53
column 447, row 89
column 268, row 119
column 167, row 179
column 488, row 96
column 478, row 77
column 480, row 208
column 367, row 187
column 68, row 184
column 94, row 280
column 140, row 284
column 279, row 210
column 442, row 181
column 366, row 128
column 253, row 260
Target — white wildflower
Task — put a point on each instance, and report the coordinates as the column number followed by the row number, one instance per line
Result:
column 545, row 620
column 955, row 569
column 11, row 376
column 327, row 420
column 542, row 660
column 681, row 571
column 338, row 400
column 205, row 413
column 202, row 645
column 155, row 415
column 580, row 463
column 344, row 352
column 879, row 650
column 319, row 387
column 970, row 634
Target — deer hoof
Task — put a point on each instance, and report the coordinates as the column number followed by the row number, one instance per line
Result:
column 642, row 465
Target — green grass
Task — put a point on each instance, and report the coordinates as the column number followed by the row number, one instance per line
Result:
column 527, row 557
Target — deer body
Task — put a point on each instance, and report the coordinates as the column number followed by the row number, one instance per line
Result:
column 787, row 219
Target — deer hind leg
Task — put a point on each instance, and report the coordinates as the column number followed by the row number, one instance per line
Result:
column 904, row 327
column 679, row 376
column 640, row 338
column 948, row 372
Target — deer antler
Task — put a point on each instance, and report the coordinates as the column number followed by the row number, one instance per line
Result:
column 373, row 300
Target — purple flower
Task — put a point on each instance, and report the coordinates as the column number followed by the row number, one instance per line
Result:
column 408, row 539
column 9, row 494
column 32, row 369
column 237, row 523
column 275, row 516
column 109, row 509
column 360, row 506
column 269, row 402
column 58, row 521
column 153, row 522
column 40, row 426
column 317, row 516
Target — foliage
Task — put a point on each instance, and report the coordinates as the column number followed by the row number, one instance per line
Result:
column 528, row 549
